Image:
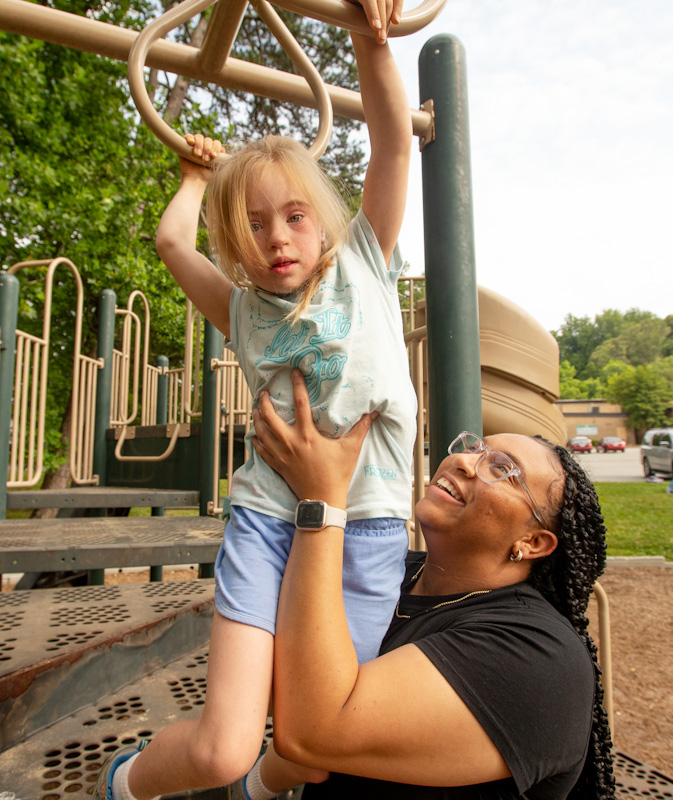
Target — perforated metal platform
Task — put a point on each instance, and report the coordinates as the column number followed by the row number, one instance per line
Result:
column 62, row 762
column 636, row 780
column 61, row 649
column 51, row 545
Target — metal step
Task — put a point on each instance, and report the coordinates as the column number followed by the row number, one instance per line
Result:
column 62, row 649
column 54, row 545
column 63, row 761
column 101, row 497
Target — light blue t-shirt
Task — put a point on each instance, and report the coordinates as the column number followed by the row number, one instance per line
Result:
column 349, row 344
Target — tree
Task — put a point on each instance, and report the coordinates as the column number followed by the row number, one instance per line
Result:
column 570, row 387
column 664, row 368
column 577, row 339
column 643, row 395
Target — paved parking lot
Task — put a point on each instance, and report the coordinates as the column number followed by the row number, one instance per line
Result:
column 624, row 466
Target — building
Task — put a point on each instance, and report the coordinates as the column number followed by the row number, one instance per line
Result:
column 595, row 419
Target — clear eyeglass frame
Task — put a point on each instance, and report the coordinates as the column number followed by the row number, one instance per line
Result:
column 494, row 466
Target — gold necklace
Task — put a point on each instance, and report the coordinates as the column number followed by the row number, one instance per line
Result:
column 439, row 605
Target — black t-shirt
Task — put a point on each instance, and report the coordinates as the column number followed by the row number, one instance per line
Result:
column 522, row 671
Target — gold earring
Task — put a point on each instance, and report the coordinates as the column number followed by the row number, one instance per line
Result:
column 516, row 558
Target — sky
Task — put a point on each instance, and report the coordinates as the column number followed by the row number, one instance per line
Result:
column 571, row 130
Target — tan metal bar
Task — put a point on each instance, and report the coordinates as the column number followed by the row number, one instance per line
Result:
column 350, row 16
column 32, row 371
column 192, row 361
column 221, row 33
column 236, row 401
column 131, row 321
column 162, row 457
column 81, row 33
column 414, row 341
column 305, row 67
column 181, row 13
column 145, row 406
column 605, row 652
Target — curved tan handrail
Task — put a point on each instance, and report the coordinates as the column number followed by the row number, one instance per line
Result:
column 125, row 363
column 605, row 652
column 81, row 426
column 349, row 16
column 415, row 341
column 181, row 13
column 162, row 457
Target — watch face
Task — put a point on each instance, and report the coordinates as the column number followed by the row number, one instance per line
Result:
column 310, row 514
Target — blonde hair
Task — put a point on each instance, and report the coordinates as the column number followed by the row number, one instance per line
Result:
column 231, row 236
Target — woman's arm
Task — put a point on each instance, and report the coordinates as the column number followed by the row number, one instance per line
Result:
column 395, row 718
column 388, row 119
column 199, row 278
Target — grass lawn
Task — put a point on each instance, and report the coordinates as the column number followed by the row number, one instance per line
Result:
column 639, row 518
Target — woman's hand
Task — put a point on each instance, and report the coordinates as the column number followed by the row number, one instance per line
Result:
column 312, row 465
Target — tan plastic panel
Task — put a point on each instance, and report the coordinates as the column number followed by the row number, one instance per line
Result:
column 519, row 371
column 508, row 406
column 514, row 343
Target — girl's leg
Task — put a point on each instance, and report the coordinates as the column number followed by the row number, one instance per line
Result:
column 224, row 743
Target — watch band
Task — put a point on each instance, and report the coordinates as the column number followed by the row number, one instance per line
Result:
column 335, row 516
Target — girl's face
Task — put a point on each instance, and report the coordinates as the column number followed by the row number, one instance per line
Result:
column 286, row 231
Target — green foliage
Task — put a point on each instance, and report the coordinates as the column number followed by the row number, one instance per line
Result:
column 638, row 518
column 570, row 386
column 630, row 363
column 577, row 339
column 643, row 395
column 636, row 338
column 664, row 368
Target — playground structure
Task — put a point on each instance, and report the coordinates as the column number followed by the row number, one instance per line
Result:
column 133, row 419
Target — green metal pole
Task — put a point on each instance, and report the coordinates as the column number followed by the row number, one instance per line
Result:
column 162, row 392
column 454, row 380
column 9, row 311
column 106, row 329
column 157, row 571
column 213, row 342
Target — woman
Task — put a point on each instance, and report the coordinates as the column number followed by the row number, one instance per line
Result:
column 487, row 682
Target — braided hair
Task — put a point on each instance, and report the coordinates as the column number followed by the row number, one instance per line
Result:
column 566, row 579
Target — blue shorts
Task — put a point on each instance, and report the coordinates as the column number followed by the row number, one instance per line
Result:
column 251, row 562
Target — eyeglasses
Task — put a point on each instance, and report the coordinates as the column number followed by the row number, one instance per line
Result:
column 493, row 466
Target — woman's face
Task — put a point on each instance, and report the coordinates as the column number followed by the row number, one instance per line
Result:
column 470, row 515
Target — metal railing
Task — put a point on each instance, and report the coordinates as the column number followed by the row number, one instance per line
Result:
column 235, row 403
column 26, row 453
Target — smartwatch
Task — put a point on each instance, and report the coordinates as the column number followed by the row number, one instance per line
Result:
column 314, row 515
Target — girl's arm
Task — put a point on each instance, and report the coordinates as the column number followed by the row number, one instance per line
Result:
column 390, row 132
column 395, row 718
column 199, row 278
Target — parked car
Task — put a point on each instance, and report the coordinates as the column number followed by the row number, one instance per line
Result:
column 656, row 451
column 580, row 444
column 611, row 444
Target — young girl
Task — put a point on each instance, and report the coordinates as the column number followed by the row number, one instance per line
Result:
column 303, row 289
